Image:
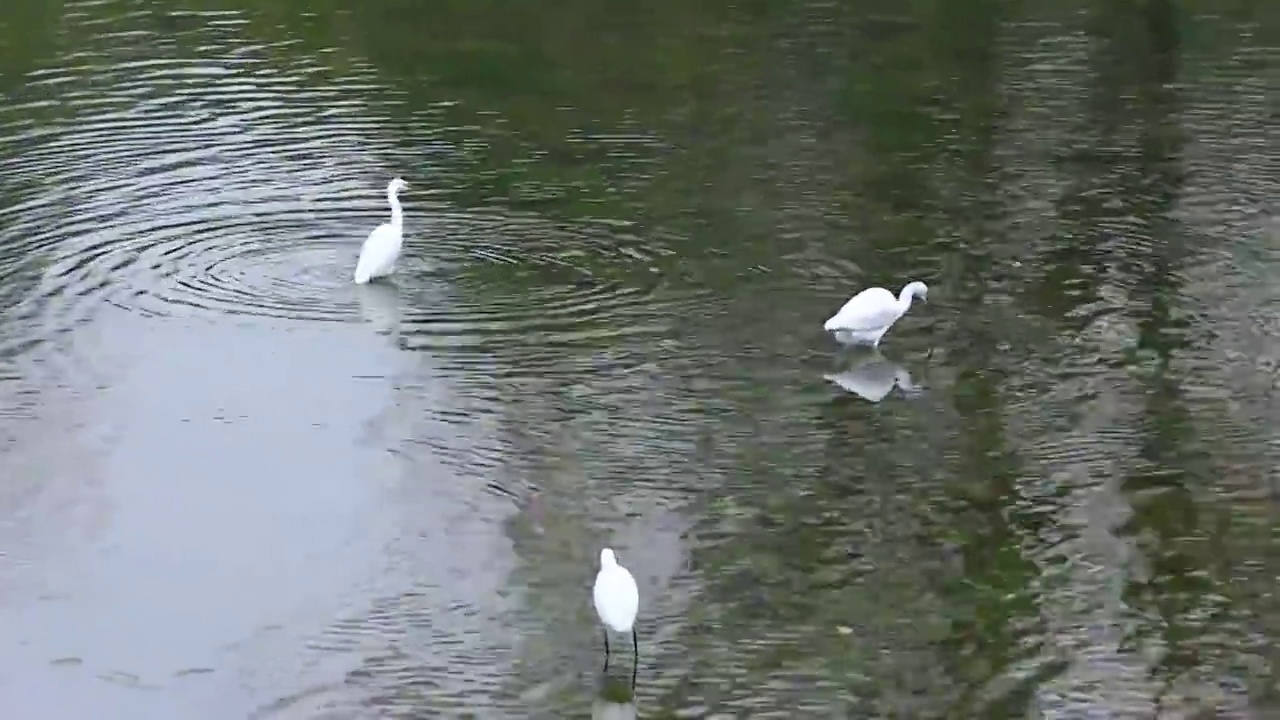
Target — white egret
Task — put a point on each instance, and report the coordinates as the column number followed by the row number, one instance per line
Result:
column 617, row 600
column 869, row 314
column 381, row 249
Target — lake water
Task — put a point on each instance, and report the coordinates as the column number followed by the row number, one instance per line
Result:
column 233, row 484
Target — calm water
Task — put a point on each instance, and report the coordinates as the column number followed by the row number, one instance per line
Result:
column 234, row 485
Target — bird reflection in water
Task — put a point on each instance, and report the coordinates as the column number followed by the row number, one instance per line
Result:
column 380, row 306
column 873, row 376
column 615, row 701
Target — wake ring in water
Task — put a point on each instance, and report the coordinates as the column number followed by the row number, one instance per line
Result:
column 543, row 327
column 305, row 281
column 562, row 312
column 533, row 290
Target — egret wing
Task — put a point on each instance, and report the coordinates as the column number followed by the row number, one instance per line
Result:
column 616, row 598
column 378, row 252
column 870, row 309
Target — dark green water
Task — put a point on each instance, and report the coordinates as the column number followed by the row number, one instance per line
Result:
column 232, row 484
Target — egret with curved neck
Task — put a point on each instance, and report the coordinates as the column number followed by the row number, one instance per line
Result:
column 381, row 249
column 867, row 316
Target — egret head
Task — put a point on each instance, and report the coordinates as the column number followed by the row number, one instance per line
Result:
column 607, row 559
column 917, row 289
column 396, row 186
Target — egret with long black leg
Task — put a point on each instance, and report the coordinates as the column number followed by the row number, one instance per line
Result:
column 617, row 600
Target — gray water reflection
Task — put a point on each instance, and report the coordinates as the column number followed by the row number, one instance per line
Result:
column 380, row 306
column 235, row 485
column 615, row 701
column 872, row 376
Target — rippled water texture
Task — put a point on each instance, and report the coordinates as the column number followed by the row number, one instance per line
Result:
column 234, row 484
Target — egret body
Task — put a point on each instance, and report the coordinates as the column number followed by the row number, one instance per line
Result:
column 869, row 314
column 617, row 600
column 381, row 249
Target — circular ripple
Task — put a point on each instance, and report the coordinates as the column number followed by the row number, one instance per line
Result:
column 526, row 289
column 304, row 281
column 241, row 184
column 238, row 182
column 233, row 196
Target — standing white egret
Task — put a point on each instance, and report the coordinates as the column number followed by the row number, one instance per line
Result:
column 381, row 249
column 869, row 314
column 617, row 600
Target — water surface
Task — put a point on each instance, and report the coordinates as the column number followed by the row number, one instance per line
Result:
column 232, row 484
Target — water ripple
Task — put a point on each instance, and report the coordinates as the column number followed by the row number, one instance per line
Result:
column 528, row 288
column 176, row 187
column 171, row 188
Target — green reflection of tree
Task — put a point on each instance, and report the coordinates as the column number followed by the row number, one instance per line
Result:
column 929, row 126
column 544, row 87
column 812, row 570
column 1179, row 589
column 996, row 649
column 28, row 38
column 992, row 649
column 28, row 42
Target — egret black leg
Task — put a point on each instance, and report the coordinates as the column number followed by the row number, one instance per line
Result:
column 606, row 651
column 635, row 658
